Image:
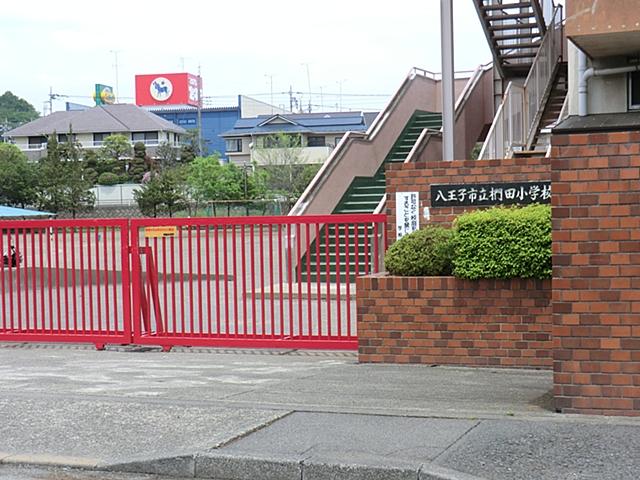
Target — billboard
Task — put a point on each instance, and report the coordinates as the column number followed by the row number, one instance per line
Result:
column 103, row 94
column 167, row 89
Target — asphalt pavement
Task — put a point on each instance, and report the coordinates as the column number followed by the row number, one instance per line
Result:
column 128, row 413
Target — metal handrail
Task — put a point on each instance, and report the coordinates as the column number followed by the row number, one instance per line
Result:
column 521, row 107
column 543, row 69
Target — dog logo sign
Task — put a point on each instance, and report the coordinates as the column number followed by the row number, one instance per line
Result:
column 161, row 89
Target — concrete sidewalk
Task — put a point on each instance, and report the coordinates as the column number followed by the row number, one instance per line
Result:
column 238, row 415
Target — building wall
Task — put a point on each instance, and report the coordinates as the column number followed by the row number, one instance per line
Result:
column 214, row 123
column 604, row 28
column 250, row 154
column 250, row 107
column 446, row 320
column 608, row 94
column 596, row 273
column 449, row 321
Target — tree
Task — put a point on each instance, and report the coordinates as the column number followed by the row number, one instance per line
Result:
column 18, row 177
column 15, row 111
column 139, row 164
column 163, row 193
column 283, row 164
column 192, row 146
column 114, row 149
column 63, row 185
column 167, row 155
column 203, row 178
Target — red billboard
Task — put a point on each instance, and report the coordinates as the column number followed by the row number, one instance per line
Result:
column 167, row 89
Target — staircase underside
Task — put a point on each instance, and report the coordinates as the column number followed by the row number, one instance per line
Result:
column 514, row 30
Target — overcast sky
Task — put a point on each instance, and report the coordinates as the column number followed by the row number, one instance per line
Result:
column 366, row 46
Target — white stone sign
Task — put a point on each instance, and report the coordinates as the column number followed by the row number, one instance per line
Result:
column 407, row 214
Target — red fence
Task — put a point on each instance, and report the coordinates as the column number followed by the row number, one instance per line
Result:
column 245, row 282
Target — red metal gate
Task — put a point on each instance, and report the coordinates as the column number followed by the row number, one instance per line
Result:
column 277, row 282
column 66, row 281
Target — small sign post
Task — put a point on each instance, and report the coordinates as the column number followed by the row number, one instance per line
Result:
column 407, row 215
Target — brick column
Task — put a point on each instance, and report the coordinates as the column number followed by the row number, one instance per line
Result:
column 596, row 273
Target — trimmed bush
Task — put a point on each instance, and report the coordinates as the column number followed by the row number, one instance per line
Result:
column 504, row 243
column 426, row 252
column 108, row 178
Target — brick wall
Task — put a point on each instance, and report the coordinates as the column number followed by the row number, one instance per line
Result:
column 411, row 177
column 596, row 274
column 446, row 320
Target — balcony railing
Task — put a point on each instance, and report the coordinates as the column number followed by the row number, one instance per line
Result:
column 97, row 144
column 518, row 116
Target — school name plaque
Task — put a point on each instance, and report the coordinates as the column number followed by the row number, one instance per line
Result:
column 481, row 194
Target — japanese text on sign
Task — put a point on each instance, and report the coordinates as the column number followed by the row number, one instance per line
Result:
column 159, row 232
column 490, row 194
column 407, row 221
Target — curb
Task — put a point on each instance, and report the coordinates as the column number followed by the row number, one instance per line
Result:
column 232, row 467
column 44, row 460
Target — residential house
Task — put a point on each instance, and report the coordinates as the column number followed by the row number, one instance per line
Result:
column 91, row 126
column 316, row 134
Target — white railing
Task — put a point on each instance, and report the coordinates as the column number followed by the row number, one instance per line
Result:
column 34, row 146
column 518, row 116
column 507, row 130
column 541, row 74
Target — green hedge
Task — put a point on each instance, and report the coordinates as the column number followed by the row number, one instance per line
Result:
column 426, row 252
column 108, row 178
column 504, row 243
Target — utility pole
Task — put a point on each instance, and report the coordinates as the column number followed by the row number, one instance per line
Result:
column 199, row 112
column 115, row 66
column 270, row 77
column 308, row 84
column 340, row 82
column 446, row 32
column 290, row 98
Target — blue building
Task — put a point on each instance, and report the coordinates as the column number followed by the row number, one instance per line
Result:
column 215, row 120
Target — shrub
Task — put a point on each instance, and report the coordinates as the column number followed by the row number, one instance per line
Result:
column 504, row 243
column 427, row 252
column 108, row 178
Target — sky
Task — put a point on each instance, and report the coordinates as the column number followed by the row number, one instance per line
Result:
column 250, row 47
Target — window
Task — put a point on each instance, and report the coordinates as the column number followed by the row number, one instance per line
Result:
column 37, row 142
column 234, row 145
column 316, row 141
column 338, row 140
column 64, row 138
column 148, row 138
column 634, row 90
column 98, row 138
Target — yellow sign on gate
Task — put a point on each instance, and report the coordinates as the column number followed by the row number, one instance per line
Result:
column 159, row 232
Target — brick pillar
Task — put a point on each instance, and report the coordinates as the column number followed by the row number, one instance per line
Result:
column 596, row 273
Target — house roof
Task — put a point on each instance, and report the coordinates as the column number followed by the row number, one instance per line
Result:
column 334, row 122
column 104, row 118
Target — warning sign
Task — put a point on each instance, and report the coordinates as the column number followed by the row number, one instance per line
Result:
column 158, row 232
